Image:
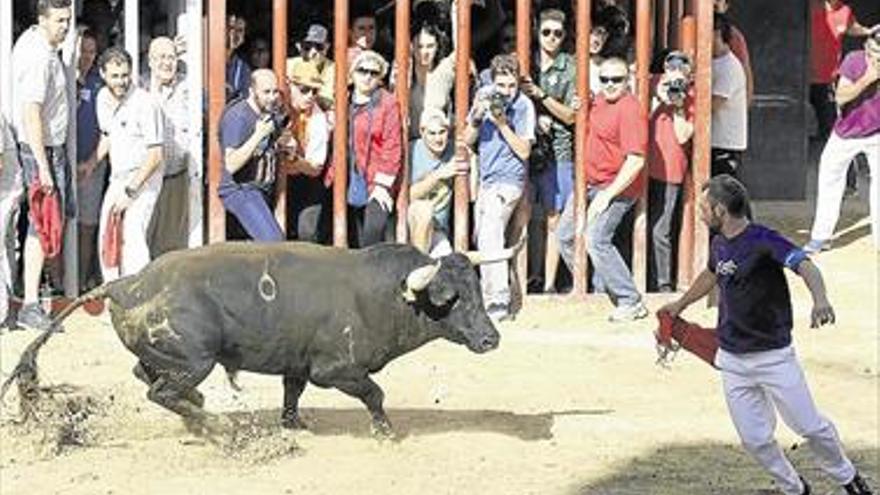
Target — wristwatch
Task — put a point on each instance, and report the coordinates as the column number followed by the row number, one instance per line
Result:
column 131, row 192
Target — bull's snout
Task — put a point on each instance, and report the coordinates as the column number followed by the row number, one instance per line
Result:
column 487, row 342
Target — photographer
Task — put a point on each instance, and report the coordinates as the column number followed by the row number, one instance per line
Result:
column 248, row 130
column 502, row 124
column 671, row 127
column 552, row 168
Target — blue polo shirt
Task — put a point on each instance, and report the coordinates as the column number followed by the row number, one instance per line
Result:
column 498, row 163
column 236, row 126
column 754, row 311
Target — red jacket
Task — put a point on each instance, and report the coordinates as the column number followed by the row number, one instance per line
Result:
column 378, row 156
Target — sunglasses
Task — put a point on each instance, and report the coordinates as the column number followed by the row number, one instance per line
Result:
column 368, row 72
column 306, row 90
column 612, row 79
column 557, row 33
column 309, row 45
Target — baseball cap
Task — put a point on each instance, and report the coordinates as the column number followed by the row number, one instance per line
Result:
column 316, row 34
column 306, row 74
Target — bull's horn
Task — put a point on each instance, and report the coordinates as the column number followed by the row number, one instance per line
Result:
column 418, row 279
column 480, row 257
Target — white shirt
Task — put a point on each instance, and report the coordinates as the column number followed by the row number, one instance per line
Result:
column 730, row 129
column 10, row 172
column 133, row 126
column 173, row 100
column 38, row 77
column 318, row 132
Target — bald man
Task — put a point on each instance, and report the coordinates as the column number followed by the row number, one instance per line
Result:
column 247, row 138
column 177, row 218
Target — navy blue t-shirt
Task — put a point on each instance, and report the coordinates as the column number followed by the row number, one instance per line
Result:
column 754, row 313
column 236, row 126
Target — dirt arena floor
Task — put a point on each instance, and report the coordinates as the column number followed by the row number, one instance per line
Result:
column 568, row 405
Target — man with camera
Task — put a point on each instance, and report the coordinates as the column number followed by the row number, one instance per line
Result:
column 856, row 131
column 671, row 127
column 249, row 130
column 553, row 155
column 502, row 124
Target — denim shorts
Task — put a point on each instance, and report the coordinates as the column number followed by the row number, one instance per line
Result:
column 553, row 186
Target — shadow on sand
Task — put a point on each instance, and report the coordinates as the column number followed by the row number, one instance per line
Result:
column 716, row 469
column 418, row 422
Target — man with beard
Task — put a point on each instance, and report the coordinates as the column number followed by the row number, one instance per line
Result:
column 40, row 121
column 177, row 219
column 313, row 49
column 248, row 176
column 132, row 133
column 759, row 368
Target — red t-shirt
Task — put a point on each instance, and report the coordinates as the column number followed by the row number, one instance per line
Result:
column 669, row 158
column 828, row 28
column 615, row 130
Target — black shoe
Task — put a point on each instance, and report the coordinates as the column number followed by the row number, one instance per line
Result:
column 858, row 486
column 32, row 317
column 807, row 489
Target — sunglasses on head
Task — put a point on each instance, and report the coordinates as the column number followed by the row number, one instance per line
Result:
column 310, row 45
column 557, row 33
column 612, row 79
column 368, row 72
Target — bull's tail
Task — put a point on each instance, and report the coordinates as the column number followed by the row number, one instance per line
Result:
column 25, row 371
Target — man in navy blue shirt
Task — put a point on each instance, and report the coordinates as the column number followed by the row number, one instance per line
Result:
column 249, row 158
column 758, row 365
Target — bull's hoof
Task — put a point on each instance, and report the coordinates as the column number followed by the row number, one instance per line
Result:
column 293, row 422
column 382, row 430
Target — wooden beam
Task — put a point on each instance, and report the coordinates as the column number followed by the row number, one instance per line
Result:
column 702, row 125
column 401, row 88
column 523, row 213
column 216, row 102
column 643, row 62
column 462, row 101
column 340, row 131
column 582, row 55
column 279, row 66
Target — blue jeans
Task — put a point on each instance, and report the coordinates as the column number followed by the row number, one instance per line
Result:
column 610, row 273
column 249, row 206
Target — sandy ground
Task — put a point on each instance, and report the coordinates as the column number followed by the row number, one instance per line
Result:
column 568, row 405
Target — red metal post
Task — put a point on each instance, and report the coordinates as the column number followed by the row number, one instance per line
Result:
column 340, row 130
column 462, row 100
column 702, row 124
column 582, row 52
column 523, row 213
column 216, row 101
column 402, row 58
column 663, row 22
column 687, row 42
column 279, row 65
column 643, row 62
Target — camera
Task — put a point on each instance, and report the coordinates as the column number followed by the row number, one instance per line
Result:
column 497, row 103
column 677, row 89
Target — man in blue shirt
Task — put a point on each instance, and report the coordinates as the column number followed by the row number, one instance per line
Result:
column 758, row 365
column 249, row 157
column 502, row 124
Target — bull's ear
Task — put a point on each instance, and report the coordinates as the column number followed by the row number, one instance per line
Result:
column 440, row 293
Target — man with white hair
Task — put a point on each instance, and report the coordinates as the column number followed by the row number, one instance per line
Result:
column 432, row 167
column 177, row 218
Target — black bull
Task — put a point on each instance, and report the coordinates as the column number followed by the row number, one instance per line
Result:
column 311, row 314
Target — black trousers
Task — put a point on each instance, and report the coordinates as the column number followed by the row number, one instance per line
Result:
column 367, row 224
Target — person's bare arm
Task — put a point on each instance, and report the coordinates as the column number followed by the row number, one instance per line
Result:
column 822, row 311
column 33, row 134
column 236, row 158
column 848, row 90
column 701, row 287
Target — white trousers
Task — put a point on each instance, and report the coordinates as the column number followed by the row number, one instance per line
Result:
column 836, row 157
column 755, row 384
column 495, row 205
column 11, row 191
column 136, row 221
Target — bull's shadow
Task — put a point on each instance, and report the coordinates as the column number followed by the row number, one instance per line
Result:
column 417, row 422
column 715, row 469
